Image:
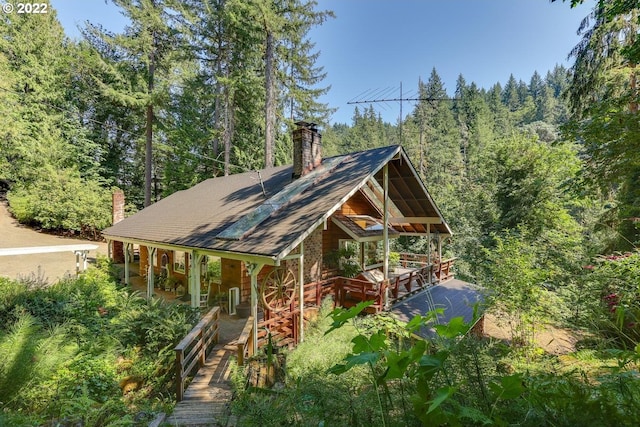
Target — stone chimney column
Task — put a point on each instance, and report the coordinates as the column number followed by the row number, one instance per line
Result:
column 307, row 148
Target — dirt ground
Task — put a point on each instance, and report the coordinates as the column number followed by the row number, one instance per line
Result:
column 553, row 340
column 51, row 266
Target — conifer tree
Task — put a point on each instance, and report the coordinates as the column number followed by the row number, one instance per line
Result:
column 140, row 67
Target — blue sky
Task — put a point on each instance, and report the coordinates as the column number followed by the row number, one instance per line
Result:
column 374, row 45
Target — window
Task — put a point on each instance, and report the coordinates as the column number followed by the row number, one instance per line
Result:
column 374, row 255
column 179, row 261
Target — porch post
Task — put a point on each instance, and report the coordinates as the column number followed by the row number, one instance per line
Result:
column 126, row 263
column 82, row 254
column 194, row 278
column 439, row 248
column 151, row 272
column 385, row 230
column 301, row 296
column 429, row 260
column 253, row 270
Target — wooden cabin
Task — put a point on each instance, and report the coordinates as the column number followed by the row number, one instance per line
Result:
column 275, row 231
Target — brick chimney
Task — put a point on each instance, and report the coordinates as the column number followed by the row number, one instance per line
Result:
column 117, row 212
column 307, row 148
column 117, row 200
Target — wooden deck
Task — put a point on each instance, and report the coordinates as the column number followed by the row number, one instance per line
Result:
column 455, row 296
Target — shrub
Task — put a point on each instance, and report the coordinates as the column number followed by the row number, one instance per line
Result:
column 65, row 349
column 62, row 200
column 614, row 283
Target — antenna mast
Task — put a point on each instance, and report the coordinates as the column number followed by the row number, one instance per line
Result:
column 401, row 100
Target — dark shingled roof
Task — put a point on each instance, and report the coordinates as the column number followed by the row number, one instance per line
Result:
column 193, row 218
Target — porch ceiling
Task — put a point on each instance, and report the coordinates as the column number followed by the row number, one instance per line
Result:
column 350, row 226
column 418, row 212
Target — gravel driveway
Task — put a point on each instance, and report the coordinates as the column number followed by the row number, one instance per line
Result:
column 52, row 266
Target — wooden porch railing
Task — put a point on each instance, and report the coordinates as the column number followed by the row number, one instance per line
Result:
column 192, row 350
column 315, row 292
column 350, row 292
column 283, row 326
column 442, row 271
column 245, row 342
column 413, row 260
column 284, row 329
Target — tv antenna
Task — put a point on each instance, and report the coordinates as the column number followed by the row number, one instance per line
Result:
column 381, row 95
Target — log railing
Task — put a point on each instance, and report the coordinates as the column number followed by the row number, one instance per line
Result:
column 245, row 342
column 192, row 350
column 283, row 326
column 315, row 292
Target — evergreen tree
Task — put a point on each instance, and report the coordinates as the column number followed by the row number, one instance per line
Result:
column 140, row 76
column 44, row 149
column 510, row 94
column 604, row 99
column 438, row 148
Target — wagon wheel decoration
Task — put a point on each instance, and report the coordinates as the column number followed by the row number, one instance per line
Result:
column 278, row 289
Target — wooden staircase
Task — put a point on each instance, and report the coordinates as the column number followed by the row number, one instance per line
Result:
column 206, row 349
column 206, row 400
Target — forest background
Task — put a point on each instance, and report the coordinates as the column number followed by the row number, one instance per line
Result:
column 192, row 90
column 539, row 179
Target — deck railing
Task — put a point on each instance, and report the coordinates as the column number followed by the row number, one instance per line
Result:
column 245, row 342
column 283, row 326
column 192, row 350
column 413, row 260
column 442, row 270
column 282, row 329
column 315, row 292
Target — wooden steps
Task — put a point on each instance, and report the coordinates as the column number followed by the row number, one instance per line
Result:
column 206, row 399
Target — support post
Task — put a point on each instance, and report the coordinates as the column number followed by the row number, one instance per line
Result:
column 301, row 281
column 151, row 272
column 385, row 230
column 439, row 248
column 253, row 269
column 126, row 263
column 77, row 263
column 194, row 278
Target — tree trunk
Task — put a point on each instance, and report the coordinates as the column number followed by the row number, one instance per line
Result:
column 147, row 156
column 269, row 102
column 148, row 162
column 228, row 130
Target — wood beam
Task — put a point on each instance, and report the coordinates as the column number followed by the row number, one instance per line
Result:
column 414, row 220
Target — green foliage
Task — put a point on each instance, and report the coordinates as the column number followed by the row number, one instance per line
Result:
column 614, row 309
column 62, row 200
column 67, row 350
column 386, row 378
column 345, row 261
column 31, row 355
